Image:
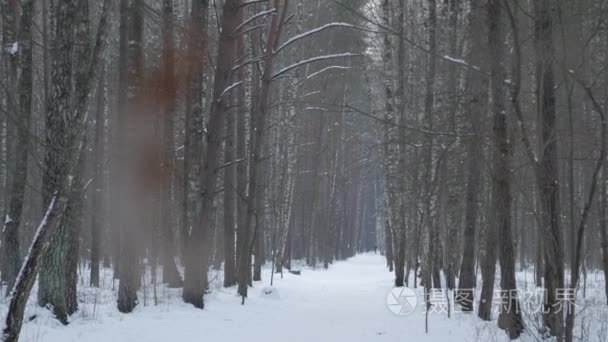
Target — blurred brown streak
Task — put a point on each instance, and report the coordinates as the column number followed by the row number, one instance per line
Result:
column 155, row 103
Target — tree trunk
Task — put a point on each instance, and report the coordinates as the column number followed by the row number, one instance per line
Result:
column 391, row 153
column 580, row 232
column 98, row 181
column 400, row 230
column 510, row 316
column 133, row 135
column 603, row 226
column 260, row 222
column 73, row 215
column 194, row 280
column 547, row 172
column 488, row 270
column 53, row 282
column 72, row 219
column 433, row 258
column 258, row 121
column 171, row 275
column 10, row 63
column 196, row 259
column 243, row 234
column 476, row 103
column 58, row 202
column 117, row 130
column 450, row 220
column 13, row 219
column 229, row 195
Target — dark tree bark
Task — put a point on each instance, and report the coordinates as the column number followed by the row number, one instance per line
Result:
column 171, row 275
column 193, row 135
column 58, row 201
column 12, row 222
column 53, row 280
column 98, row 181
column 450, row 218
column 391, row 152
column 229, row 196
column 196, row 260
column 433, row 258
column 258, row 123
column 399, row 232
column 195, row 272
column 10, row 62
column 580, row 231
column 257, row 200
column 603, row 220
column 488, row 270
column 131, row 136
column 117, row 127
column 72, row 219
column 510, row 316
column 603, row 226
column 243, row 234
column 476, row 105
column 260, row 222
column 388, row 242
column 547, row 170
column 73, row 215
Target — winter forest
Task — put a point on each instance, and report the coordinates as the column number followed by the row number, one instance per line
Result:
column 262, row 170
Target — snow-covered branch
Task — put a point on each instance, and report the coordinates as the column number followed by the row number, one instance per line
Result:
column 459, row 61
column 228, row 89
column 310, row 33
column 312, row 60
column 231, row 163
column 87, row 184
column 252, row 2
column 314, row 74
column 37, row 236
column 312, row 93
column 321, row 109
column 254, row 17
column 13, row 49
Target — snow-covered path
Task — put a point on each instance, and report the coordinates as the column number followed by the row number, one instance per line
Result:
column 345, row 303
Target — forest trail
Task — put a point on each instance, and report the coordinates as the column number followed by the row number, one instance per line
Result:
column 345, row 303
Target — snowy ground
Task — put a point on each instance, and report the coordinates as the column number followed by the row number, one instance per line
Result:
column 345, row 303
